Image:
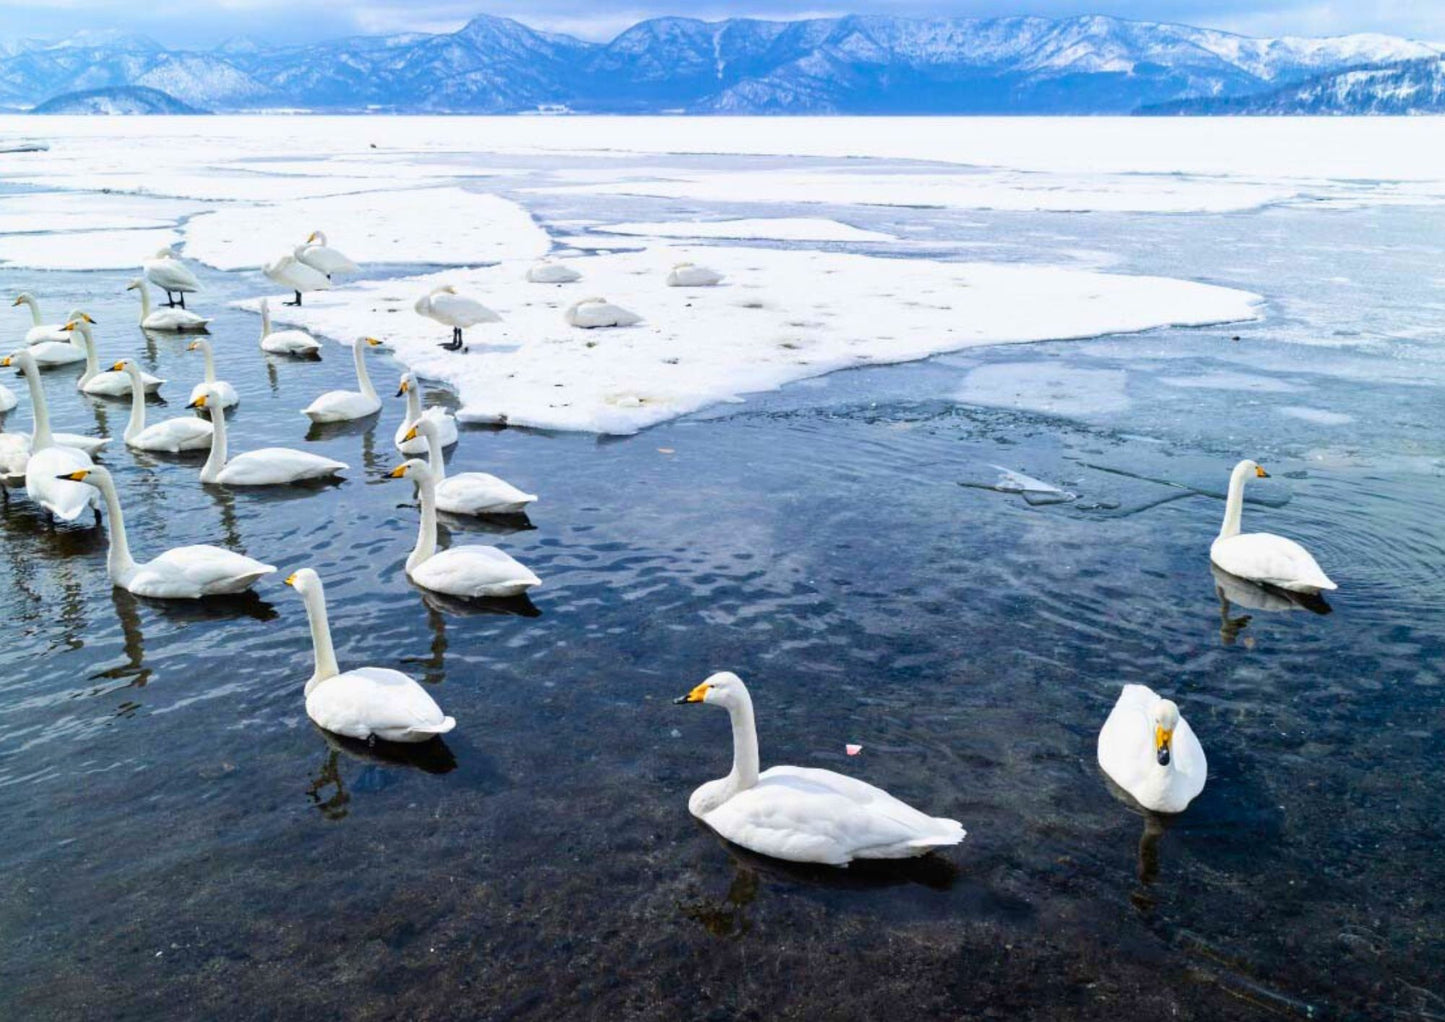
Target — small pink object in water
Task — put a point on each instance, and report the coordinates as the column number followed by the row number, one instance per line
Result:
column 853, row 750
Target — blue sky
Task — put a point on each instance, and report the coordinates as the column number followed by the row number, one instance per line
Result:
column 187, row 23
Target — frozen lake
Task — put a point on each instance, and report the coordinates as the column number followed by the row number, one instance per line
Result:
column 1117, row 309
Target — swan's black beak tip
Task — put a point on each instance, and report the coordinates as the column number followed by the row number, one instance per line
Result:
column 680, row 701
column 1163, row 755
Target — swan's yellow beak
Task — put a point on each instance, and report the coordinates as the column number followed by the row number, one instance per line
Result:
column 311, row 237
column 131, row 287
column 119, row 367
column 193, row 346
column 373, row 342
column 5, row 362
column 410, row 435
column 1162, row 737
column 75, row 477
column 1260, row 472
column 291, row 579
column 71, row 325
column 697, row 695
column 403, row 388
column 16, row 302
column 199, row 402
column 397, row 472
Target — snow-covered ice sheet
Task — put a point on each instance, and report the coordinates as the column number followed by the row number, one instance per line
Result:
column 69, row 211
column 782, row 316
column 753, row 229
column 84, row 250
column 438, row 226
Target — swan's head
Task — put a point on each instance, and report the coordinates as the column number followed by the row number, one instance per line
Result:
column 1246, row 467
column 370, row 342
column 724, row 688
column 413, row 468
column 424, row 427
column 206, row 398
column 196, row 346
column 22, row 298
column 137, row 283
column 407, row 383
column 91, row 476
column 165, row 253
column 1166, row 719
column 445, row 289
column 304, row 581
column 316, row 236
column 21, row 360
column 78, row 320
column 125, row 365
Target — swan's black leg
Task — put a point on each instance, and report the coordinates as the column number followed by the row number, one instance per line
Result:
column 170, row 299
column 183, row 299
column 296, row 302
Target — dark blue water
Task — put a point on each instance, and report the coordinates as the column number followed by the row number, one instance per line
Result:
column 180, row 841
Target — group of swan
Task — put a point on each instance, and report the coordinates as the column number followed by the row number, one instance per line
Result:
column 309, row 266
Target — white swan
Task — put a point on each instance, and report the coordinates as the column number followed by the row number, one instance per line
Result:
column 1262, row 556
column 109, row 383
column 548, row 272
column 459, row 312
column 285, row 342
column 172, row 276
column 165, row 319
column 63, row 349
column 470, row 572
column 444, row 421
column 226, row 394
column 182, row 573
column 1150, row 751
column 8, row 400
column 467, row 493
column 269, row 466
column 319, row 256
column 39, row 330
column 45, row 461
column 15, row 448
column 173, row 435
column 367, row 701
column 591, row 313
column 693, row 275
column 804, row 814
column 345, row 405
column 294, row 275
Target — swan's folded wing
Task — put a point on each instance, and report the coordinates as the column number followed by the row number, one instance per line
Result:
column 475, row 571
column 1265, row 557
column 203, row 568
column 370, row 700
column 278, row 465
column 64, row 499
column 479, row 491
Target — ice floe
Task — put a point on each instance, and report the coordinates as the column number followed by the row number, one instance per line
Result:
column 35, row 212
column 1053, row 390
column 781, row 316
column 84, row 250
column 1231, row 381
column 1319, row 416
column 753, row 229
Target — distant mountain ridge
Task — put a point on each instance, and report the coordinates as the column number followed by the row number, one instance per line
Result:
column 1410, row 87
column 851, row 64
column 121, row 100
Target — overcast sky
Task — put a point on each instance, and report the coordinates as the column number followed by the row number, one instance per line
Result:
column 187, row 23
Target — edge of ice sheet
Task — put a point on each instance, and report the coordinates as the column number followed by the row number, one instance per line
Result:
column 782, row 316
column 790, row 228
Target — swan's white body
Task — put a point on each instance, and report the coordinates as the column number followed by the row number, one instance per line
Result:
column 171, row 435
column 183, row 573
column 226, row 394
column 693, row 275
column 367, row 701
column 16, row 448
column 448, row 308
column 470, row 572
column 44, row 484
column 592, row 313
column 109, row 383
column 39, row 330
column 294, row 275
column 548, row 272
column 169, row 274
column 1141, row 730
column 319, row 256
column 270, row 466
column 804, row 814
column 285, row 342
column 345, row 405
column 468, row 493
column 1262, row 556
column 444, row 421
column 164, row 319
column 8, row 400
column 51, row 344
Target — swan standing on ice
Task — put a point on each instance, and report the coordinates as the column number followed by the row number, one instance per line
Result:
column 467, row 493
column 182, row 573
column 109, row 383
column 346, row 405
column 165, row 319
column 62, row 349
column 367, row 701
column 591, row 313
column 169, row 274
column 470, row 572
column 1150, row 751
column 803, row 814
column 548, row 272
column 285, row 342
column 39, row 330
column 226, row 395
column 445, row 422
column 170, row 435
column 15, row 448
column 294, row 275
column 317, row 255
column 693, row 275
column 269, row 466
column 459, row 312
column 1262, row 556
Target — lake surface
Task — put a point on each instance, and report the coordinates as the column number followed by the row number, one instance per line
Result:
column 180, row 841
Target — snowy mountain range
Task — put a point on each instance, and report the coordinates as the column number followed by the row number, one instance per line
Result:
column 1411, row 87
column 866, row 65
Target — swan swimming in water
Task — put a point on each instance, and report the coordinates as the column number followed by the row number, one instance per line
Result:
column 803, row 814
column 226, row 395
column 172, row 276
column 1150, row 751
column 285, row 342
column 319, row 256
column 40, row 330
column 109, row 383
column 165, row 319
column 466, row 493
column 366, row 701
column 1262, row 556
column 445, row 422
column 15, row 448
column 593, row 313
column 269, row 466
column 62, row 348
column 186, row 433
column 294, row 275
column 40, row 461
column 346, row 405
column 459, row 312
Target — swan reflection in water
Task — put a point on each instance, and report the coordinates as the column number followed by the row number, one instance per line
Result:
column 378, row 760
column 1234, row 591
column 1155, row 827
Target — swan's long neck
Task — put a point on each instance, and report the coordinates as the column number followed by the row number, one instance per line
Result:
column 436, row 462
column 413, row 403
column 1234, row 505
column 145, row 301
column 326, row 666
column 41, row 438
column 363, row 379
column 34, row 307
column 216, row 460
column 119, row 562
column 265, row 320
column 92, row 359
column 426, row 537
column 210, row 361
column 745, row 746
column 137, row 405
